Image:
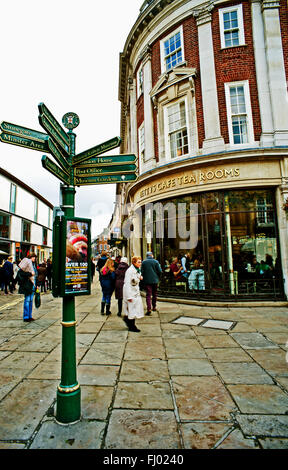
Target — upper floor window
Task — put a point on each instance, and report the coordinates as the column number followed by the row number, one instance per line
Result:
column 140, row 82
column 231, row 26
column 13, row 198
column 26, row 231
column 4, row 225
column 172, row 50
column 44, row 236
column 177, row 129
column 141, row 133
column 36, row 209
column 239, row 113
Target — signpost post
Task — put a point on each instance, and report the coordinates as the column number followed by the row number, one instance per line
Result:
column 88, row 167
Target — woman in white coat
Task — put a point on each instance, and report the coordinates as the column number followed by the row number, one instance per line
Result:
column 132, row 301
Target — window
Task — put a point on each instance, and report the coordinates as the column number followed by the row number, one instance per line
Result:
column 231, row 26
column 239, row 113
column 141, row 134
column 4, row 225
column 172, row 52
column 177, row 130
column 140, row 82
column 13, row 198
column 35, row 210
column 44, row 236
column 265, row 215
column 26, row 231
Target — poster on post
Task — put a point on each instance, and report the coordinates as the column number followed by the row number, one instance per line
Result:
column 78, row 255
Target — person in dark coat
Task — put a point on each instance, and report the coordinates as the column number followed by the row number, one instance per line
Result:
column 8, row 275
column 49, row 273
column 42, row 272
column 151, row 271
column 101, row 262
column 107, row 281
column 120, row 275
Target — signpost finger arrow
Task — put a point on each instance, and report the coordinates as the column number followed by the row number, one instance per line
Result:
column 97, row 150
column 55, row 170
column 23, row 137
column 58, row 155
column 53, row 128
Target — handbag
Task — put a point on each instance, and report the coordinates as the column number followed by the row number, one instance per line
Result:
column 37, row 298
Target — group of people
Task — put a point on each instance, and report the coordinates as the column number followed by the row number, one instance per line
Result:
column 182, row 269
column 117, row 276
column 28, row 276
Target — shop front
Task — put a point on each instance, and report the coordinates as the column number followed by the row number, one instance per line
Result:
column 215, row 236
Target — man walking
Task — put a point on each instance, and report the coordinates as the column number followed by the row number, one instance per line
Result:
column 151, row 271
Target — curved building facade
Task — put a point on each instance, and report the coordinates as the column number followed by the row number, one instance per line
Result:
column 203, row 87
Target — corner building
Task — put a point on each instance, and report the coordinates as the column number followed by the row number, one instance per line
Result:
column 203, row 88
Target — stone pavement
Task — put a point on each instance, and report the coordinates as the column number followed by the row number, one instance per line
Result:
column 181, row 383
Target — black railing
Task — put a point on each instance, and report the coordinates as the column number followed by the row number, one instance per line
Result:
column 236, row 289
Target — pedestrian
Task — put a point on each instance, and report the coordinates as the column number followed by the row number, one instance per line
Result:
column 49, row 273
column 42, row 272
column 101, row 262
column 93, row 268
column 151, row 271
column 26, row 278
column 120, row 275
column 132, row 301
column 15, row 271
column 107, row 281
column 8, row 275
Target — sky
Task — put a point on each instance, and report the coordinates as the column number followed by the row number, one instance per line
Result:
column 65, row 54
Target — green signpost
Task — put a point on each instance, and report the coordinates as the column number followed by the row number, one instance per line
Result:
column 88, row 167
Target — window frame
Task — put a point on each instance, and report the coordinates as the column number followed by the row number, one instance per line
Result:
column 140, row 81
column 248, row 112
column 168, row 133
column 164, row 69
column 241, row 34
column 12, row 202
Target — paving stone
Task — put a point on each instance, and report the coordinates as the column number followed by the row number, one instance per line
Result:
column 203, row 435
column 111, row 336
column 82, row 435
column 224, row 341
column 184, row 348
column 97, row 374
column 152, row 395
column 218, row 324
column 262, row 399
column 252, row 341
column 228, row 355
column 24, row 360
column 144, row 348
column 190, row 367
column 188, row 321
column 268, row 426
column 176, row 331
column 95, row 401
column 202, row 398
column 142, row 429
column 46, row 370
column 144, row 371
column 274, row 443
column 236, row 440
column 273, row 360
column 104, row 353
column 242, row 373
column 24, row 407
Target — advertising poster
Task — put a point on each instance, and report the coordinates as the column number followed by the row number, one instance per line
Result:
column 77, row 276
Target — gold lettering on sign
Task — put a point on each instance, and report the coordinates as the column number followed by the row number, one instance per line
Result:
column 191, row 178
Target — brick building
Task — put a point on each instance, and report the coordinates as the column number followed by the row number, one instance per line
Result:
column 203, row 88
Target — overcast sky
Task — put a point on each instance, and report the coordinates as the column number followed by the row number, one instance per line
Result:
column 65, row 54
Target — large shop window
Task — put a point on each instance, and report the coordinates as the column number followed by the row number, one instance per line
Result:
column 226, row 241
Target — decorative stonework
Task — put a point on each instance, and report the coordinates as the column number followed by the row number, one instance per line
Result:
column 203, row 14
column 268, row 4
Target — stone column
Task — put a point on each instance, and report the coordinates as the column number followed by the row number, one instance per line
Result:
column 148, row 107
column 276, row 70
column 267, row 136
column 281, row 197
column 213, row 139
column 133, row 117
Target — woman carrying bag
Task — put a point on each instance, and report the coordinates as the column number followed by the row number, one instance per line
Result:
column 132, row 301
column 107, row 281
column 26, row 278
